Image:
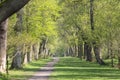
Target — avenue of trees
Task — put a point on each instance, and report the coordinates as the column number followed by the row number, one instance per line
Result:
column 91, row 29
column 87, row 29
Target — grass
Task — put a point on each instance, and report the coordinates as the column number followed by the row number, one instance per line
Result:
column 75, row 69
column 28, row 70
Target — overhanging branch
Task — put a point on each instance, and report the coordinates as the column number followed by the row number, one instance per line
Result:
column 9, row 7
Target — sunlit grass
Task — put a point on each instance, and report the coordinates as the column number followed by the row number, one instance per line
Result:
column 28, row 70
column 75, row 69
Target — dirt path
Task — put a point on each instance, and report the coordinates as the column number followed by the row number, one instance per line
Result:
column 45, row 72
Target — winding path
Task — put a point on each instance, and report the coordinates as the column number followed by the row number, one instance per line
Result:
column 45, row 72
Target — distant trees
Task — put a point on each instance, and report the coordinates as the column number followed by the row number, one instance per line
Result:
column 86, row 26
column 33, row 34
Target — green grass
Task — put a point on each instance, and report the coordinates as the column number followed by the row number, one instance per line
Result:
column 4, row 77
column 28, row 70
column 75, row 69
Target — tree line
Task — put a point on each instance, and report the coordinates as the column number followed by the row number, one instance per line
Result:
column 90, row 28
column 86, row 29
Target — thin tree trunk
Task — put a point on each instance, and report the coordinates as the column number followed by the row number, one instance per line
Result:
column 108, row 50
column 76, row 50
column 25, row 53
column 3, row 44
column 80, row 51
column 70, row 51
column 30, row 55
column 111, row 55
column 67, row 52
column 36, row 51
column 118, row 65
column 87, row 51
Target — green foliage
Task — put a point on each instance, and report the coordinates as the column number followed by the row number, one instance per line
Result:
column 66, row 23
column 39, row 22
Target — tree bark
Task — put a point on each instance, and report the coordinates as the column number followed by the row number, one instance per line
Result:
column 70, row 51
column 87, row 52
column 30, row 55
column 17, row 60
column 9, row 7
column 91, row 15
column 97, row 55
column 25, row 53
column 42, row 49
column 80, row 51
column 3, row 44
column 36, row 51
column 76, row 50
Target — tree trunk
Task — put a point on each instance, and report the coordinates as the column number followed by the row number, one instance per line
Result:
column 66, row 53
column 3, row 44
column 108, row 50
column 70, row 51
column 17, row 60
column 118, row 65
column 111, row 55
column 42, row 49
column 95, row 47
column 25, row 61
column 74, row 50
column 87, row 51
column 18, row 30
column 80, row 51
column 25, row 53
column 97, row 55
column 30, row 54
column 36, row 51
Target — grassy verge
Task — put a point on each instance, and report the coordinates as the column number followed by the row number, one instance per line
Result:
column 28, row 70
column 75, row 69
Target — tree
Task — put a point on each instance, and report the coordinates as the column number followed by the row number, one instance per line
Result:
column 3, row 38
column 96, row 46
column 7, row 8
column 18, row 29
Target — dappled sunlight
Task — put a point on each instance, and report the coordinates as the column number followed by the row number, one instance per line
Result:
column 83, row 71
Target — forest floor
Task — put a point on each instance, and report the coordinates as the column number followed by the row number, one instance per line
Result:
column 75, row 69
column 45, row 72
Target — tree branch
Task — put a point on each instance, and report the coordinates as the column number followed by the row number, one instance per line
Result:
column 9, row 7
